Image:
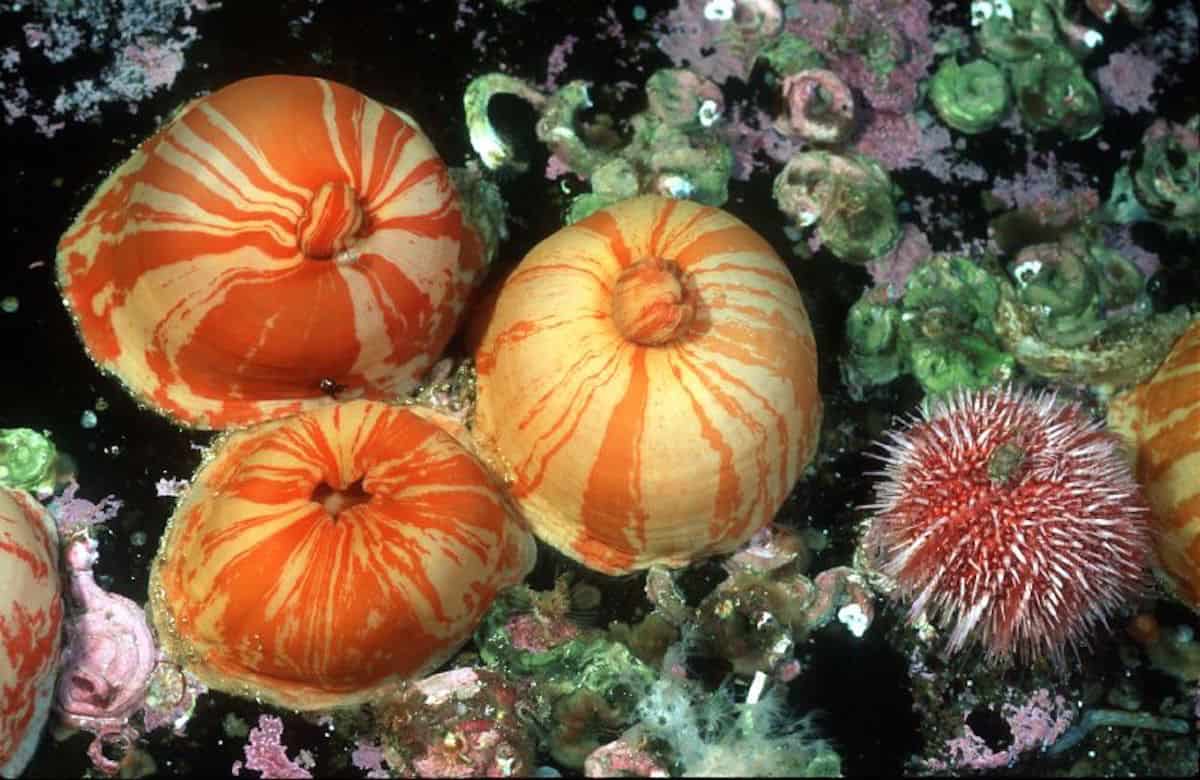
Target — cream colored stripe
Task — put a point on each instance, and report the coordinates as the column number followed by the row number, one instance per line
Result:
column 262, row 164
column 192, row 218
column 329, row 114
column 368, row 133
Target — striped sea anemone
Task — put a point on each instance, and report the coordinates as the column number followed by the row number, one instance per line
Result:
column 319, row 559
column 280, row 241
column 1161, row 420
column 647, row 385
column 31, row 614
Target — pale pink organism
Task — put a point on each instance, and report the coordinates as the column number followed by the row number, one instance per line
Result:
column 820, row 107
column 109, row 658
column 1035, row 724
column 266, row 754
column 772, row 547
column 626, row 756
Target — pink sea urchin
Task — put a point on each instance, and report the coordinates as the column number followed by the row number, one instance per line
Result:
column 1010, row 518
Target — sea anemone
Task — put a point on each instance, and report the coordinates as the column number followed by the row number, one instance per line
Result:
column 317, row 559
column 1161, row 420
column 647, row 385
column 281, row 241
column 31, row 614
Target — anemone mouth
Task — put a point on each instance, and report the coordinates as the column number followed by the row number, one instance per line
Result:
column 653, row 302
column 332, row 221
column 336, row 501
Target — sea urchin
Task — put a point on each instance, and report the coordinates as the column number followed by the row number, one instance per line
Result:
column 1012, row 519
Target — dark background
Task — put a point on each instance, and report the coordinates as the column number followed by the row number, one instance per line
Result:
column 410, row 56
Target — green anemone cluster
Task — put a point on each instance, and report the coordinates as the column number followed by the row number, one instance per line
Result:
column 788, row 54
column 849, row 197
column 1162, row 181
column 27, row 460
column 674, row 147
column 1077, row 311
column 1025, row 55
column 940, row 331
column 1074, row 287
column 584, row 690
column 1166, row 176
column 1052, row 93
column 971, row 98
column 1072, row 310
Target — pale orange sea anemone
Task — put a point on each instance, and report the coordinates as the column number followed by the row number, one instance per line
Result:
column 647, row 384
column 1161, row 420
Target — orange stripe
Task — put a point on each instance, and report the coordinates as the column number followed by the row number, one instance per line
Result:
column 613, row 491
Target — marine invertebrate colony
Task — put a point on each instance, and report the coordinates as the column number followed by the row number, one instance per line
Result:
column 849, row 197
column 458, row 723
column 317, row 559
column 675, row 147
column 281, row 240
column 647, row 384
column 1161, row 420
column 31, row 615
column 1162, row 180
column 1010, row 519
column 941, row 330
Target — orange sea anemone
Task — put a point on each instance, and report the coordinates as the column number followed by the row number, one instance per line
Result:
column 280, row 241
column 31, row 613
column 1161, row 420
column 647, row 383
column 319, row 559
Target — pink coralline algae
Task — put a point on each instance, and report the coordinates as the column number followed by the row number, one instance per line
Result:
column 882, row 48
column 719, row 39
column 477, row 739
column 141, row 44
column 556, row 64
column 752, row 135
column 266, row 754
column 1044, row 180
column 895, row 140
column 1036, row 725
column 75, row 515
column 547, row 625
column 368, row 756
column 532, row 633
column 891, row 271
column 1127, row 80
